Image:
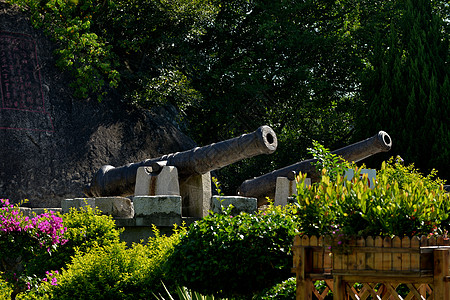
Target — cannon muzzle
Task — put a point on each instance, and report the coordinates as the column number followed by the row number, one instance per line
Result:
column 264, row 186
column 120, row 181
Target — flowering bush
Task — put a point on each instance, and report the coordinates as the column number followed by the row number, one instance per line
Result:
column 85, row 228
column 23, row 239
column 115, row 271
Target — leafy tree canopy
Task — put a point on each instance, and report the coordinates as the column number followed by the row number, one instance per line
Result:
column 331, row 71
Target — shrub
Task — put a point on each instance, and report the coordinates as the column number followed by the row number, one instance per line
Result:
column 116, row 272
column 186, row 294
column 85, row 228
column 26, row 242
column 235, row 256
column 403, row 202
column 285, row 290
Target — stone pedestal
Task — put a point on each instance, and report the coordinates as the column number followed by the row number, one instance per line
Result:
column 196, row 194
column 240, row 204
column 150, row 184
column 118, row 207
column 285, row 188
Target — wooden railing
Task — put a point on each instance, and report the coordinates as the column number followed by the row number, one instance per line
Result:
column 372, row 268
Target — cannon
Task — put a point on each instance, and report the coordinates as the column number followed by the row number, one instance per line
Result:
column 264, row 186
column 120, row 181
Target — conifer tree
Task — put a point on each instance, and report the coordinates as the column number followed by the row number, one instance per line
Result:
column 407, row 91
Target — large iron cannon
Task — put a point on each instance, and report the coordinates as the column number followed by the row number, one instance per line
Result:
column 120, row 181
column 264, row 186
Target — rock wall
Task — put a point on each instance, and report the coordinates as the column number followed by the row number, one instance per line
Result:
column 51, row 144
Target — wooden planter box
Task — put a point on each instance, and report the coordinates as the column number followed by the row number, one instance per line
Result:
column 379, row 266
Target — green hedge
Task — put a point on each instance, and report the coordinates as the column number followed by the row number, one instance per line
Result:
column 235, row 256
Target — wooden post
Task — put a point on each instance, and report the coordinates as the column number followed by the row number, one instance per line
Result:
column 441, row 265
column 339, row 288
column 304, row 282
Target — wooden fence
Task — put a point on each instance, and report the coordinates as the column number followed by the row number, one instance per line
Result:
column 372, row 268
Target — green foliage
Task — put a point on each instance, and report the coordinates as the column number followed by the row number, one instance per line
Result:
column 285, row 290
column 88, row 56
column 412, row 207
column 116, row 272
column 26, row 244
column 404, row 175
column 406, row 80
column 334, row 165
column 86, row 229
column 184, row 293
column 127, row 44
column 274, row 63
column 5, row 290
column 235, row 256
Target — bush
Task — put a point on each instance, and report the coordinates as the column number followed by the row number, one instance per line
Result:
column 403, row 202
column 26, row 244
column 85, row 228
column 116, row 272
column 235, row 256
column 285, row 290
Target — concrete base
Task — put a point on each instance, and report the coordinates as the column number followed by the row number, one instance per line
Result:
column 240, row 204
column 162, row 205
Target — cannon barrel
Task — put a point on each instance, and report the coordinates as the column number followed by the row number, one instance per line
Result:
column 120, row 181
column 264, row 186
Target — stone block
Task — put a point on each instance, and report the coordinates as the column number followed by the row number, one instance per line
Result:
column 150, row 184
column 38, row 211
column 240, row 204
column 118, row 207
column 196, row 194
column 26, row 211
column 157, row 205
column 76, row 203
column 371, row 173
column 285, row 188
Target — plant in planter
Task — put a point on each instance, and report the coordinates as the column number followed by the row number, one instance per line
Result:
column 391, row 208
column 403, row 202
column 359, row 234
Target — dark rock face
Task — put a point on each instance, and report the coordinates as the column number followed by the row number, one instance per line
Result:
column 51, row 144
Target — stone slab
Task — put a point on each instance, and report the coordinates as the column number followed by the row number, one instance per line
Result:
column 26, row 211
column 240, row 204
column 196, row 194
column 39, row 211
column 118, row 207
column 76, row 203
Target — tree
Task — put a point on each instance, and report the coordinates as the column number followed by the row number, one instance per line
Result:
column 287, row 64
column 406, row 88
